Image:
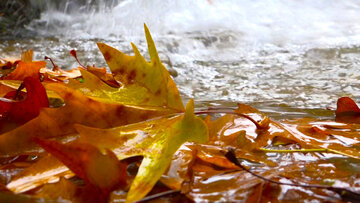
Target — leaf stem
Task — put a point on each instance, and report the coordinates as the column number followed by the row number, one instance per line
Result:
column 293, row 150
column 323, row 150
column 230, row 111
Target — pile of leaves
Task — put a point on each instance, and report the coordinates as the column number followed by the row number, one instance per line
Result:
column 88, row 135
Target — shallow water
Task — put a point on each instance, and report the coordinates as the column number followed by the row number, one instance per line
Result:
column 276, row 55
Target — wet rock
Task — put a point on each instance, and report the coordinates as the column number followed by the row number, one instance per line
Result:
column 15, row 14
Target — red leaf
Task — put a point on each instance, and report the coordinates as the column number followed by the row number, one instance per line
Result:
column 346, row 105
column 29, row 108
column 103, row 173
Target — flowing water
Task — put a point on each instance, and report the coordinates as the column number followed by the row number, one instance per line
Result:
column 276, row 55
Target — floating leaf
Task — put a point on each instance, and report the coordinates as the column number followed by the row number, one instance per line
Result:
column 47, row 170
column 64, row 189
column 156, row 140
column 99, row 171
column 309, row 133
column 78, row 109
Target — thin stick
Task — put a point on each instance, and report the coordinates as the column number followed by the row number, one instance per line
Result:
column 323, row 150
column 158, row 195
column 227, row 111
column 345, row 194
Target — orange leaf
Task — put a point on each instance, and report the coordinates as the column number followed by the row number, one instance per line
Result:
column 26, row 69
column 103, row 172
column 78, row 109
column 101, row 73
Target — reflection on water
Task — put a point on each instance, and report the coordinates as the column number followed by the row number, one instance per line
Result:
column 259, row 52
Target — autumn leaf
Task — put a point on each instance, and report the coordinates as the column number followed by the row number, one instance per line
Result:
column 346, row 105
column 26, row 69
column 27, row 56
column 15, row 84
column 151, row 79
column 59, row 75
column 4, row 89
column 101, row 73
column 78, row 109
column 64, row 189
column 10, row 197
column 156, row 140
column 99, row 171
column 347, row 111
column 46, row 170
column 136, row 110
column 95, row 88
column 23, row 111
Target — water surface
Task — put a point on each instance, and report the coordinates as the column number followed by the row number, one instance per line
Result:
column 272, row 54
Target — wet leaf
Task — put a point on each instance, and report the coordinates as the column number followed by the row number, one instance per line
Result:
column 151, row 79
column 347, row 111
column 156, row 140
column 78, row 109
column 46, row 170
column 9, row 197
column 101, row 73
column 99, row 171
column 26, row 69
column 27, row 56
column 59, row 75
column 346, row 105
column 23, row 111
column 64, row 189
column 311, row 134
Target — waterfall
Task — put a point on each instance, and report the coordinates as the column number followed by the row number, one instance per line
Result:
column 277, row 22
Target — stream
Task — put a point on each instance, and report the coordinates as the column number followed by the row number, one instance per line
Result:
column 287, row 58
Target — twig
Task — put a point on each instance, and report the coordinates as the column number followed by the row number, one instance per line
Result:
column 230, row 111
column 323, row 150
column 158, row 195
column 345, row 194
